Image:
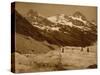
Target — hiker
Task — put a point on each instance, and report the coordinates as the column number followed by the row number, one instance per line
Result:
column 87, row 49
column 62, row 49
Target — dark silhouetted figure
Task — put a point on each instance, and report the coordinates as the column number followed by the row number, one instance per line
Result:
column 87, row 49
column 62, row 49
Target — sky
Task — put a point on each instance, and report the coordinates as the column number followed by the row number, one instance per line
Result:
column 90, row 12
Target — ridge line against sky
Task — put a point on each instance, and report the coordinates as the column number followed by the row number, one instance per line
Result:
column 90, row 12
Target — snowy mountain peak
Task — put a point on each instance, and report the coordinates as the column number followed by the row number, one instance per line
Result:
column 78, row 14
column 55, row 23
column 59, row 18
column 52, row 19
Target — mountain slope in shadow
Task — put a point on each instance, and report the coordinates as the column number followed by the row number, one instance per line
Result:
column 73, row 37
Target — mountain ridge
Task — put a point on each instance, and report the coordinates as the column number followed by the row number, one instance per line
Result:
column 66, row 35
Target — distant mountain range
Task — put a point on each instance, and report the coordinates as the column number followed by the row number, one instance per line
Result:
column 58, row 30
column 64, row 30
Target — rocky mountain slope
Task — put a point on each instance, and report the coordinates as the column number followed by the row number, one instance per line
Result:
column 28, row 38
column 73, row 30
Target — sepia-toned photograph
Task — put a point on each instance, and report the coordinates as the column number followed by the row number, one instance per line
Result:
column 53, row 37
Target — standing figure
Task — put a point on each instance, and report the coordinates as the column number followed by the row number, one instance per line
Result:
column 87, row 49
column 62, row 49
